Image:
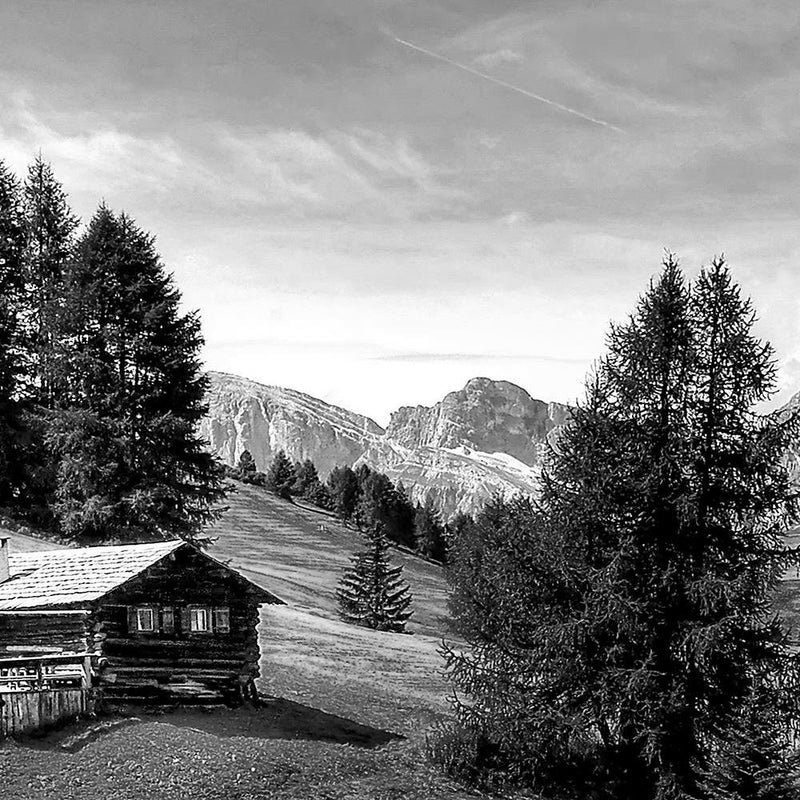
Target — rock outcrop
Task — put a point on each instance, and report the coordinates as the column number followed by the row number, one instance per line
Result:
column 245, row 415
column 485, row 439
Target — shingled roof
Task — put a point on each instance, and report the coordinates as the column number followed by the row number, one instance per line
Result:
column 55, row 578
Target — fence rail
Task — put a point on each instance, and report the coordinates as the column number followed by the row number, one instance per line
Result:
column 46, row 672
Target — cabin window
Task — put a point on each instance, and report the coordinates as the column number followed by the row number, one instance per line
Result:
column 200, row 620
column 222, row 620
column 145, row 619
column 168, row 619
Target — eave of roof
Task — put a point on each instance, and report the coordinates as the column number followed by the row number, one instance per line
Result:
column 70, row 577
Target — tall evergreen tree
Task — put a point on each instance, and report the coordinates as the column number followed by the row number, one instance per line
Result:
column 344, row 490
column 49, row 238
column 246, row 467
column 11, row 343
column 280, row 476
column 632, row 627
column 130, row 463
column 372, row 593
column 379, row 505
column 430, row 532
column 306, row 477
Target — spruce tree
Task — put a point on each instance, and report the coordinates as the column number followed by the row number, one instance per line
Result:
column 50, row 229
column 372, row 593
column 130, row 465
column 281, row 477
column 430, row 533
column 246, row 467
column 630, row 629
column 11, row 338
column 380, row 503
column 306, row 477
column 344, row 491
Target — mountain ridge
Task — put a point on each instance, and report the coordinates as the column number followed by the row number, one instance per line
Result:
column 485, row 438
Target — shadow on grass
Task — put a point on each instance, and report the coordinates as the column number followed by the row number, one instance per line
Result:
column 274, row 718
column 279, row 718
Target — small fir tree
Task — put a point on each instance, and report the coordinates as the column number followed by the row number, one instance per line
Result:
column 246, row 467
column 306, row 477
column 372, row 593
column 281, row 477
column 380, row 502
column 430, row 532
column 344, row 492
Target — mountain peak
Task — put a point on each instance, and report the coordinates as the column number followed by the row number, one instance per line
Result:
column 485, row 438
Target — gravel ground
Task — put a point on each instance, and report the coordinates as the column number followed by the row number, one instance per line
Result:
column 349, row 708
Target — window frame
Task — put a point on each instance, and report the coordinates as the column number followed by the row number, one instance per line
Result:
column 207, row 611
column 137, row 617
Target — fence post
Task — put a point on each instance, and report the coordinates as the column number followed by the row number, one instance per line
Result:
column 87, row 673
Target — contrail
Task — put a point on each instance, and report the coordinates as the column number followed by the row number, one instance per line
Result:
column 506, row 85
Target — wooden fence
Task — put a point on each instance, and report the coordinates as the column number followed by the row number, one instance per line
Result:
column 37, row 692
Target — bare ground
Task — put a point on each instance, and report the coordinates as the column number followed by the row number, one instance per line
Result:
column 347, row 709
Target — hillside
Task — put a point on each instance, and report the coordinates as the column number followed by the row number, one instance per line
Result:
column 484, row 439
column 299, row 553
column 350, row 707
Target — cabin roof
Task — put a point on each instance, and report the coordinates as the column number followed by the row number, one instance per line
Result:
column 80, row 575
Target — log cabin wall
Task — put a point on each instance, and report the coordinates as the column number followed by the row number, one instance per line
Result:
column 151, row 666
column 43, row 631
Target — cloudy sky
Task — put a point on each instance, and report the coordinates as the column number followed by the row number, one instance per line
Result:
column 375, row 200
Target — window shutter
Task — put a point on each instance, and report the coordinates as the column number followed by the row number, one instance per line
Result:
column 185, row 617
column 132, row 626
column 222, row 619
column 168, row 619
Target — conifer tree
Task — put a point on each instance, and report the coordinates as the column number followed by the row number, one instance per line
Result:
column 630, row 627
column 246, row 467
column 281, row 477
column 11, row 341
column 372, row 593
column 130, row 465
column 380, row 503
column 344, row 491
column 306, row 477
column 49, row 238
column 430, row 532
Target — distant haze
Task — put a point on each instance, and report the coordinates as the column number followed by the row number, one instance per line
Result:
column 373, row 201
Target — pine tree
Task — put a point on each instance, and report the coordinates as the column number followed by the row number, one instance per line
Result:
column 246, row 467
column 404, row 513
column 757, row 759
column 380, row 503
column 130, row 465
column 630, row 626
column 430, row 532
column 306, row 477
column 344, row 491
column 11, row 343
column 281, row 477
column 372, row 593
column 49, row 238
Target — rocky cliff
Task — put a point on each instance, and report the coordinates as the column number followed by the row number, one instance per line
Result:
column 488, row 437
column 245, row 415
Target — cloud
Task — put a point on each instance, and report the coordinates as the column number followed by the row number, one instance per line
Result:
column 89, row 153
column 359, row 173
column 502, row 56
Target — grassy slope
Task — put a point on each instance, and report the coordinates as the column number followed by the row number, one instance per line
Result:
column 352, row 705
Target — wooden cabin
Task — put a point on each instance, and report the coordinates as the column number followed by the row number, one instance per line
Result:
column 166, row 621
